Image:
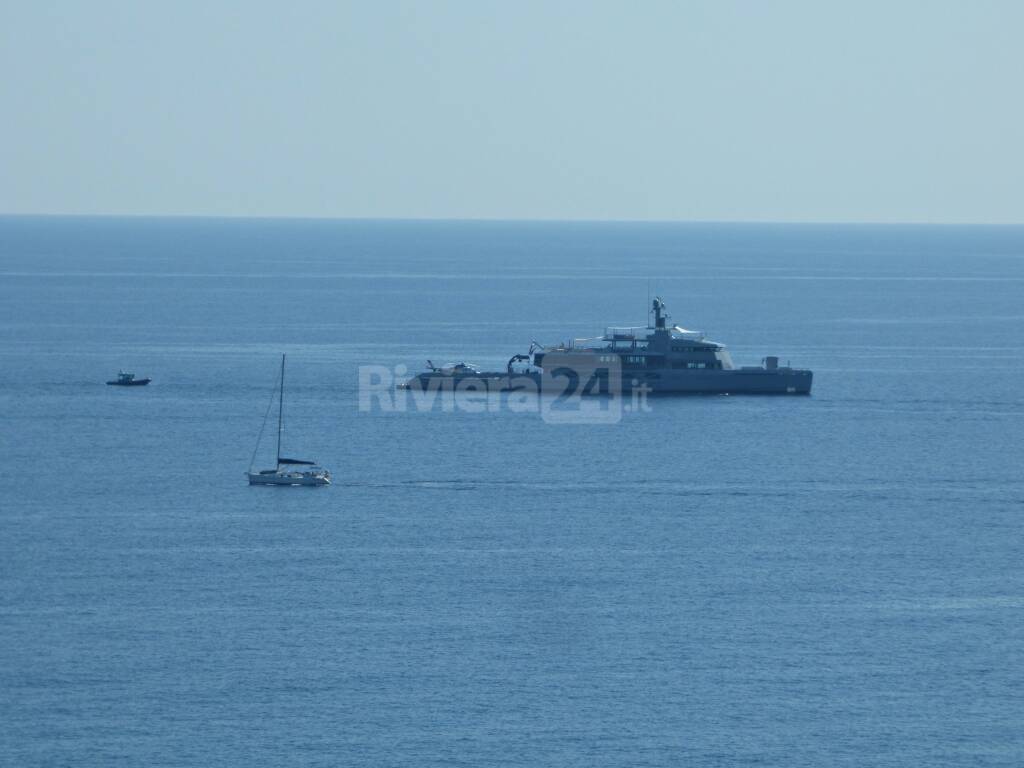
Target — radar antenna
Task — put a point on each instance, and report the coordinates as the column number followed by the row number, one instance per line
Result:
column 658, row 307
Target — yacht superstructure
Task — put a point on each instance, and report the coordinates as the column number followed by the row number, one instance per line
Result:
column 667, row 358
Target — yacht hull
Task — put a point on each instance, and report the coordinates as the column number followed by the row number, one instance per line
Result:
column 749, row 381
column 288, row 478
column 734, row 382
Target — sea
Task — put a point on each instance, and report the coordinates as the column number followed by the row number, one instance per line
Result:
column 831, row 580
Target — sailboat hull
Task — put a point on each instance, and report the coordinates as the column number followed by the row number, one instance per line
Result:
column 289, row 478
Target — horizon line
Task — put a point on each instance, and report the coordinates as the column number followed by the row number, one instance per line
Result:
column 513, row 220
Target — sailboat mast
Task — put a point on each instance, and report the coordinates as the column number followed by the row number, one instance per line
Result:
column 280, row 414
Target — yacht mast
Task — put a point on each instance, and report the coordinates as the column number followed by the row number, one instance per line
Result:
column 280, row 414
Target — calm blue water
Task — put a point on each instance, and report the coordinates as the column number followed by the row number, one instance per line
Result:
column 833, row 580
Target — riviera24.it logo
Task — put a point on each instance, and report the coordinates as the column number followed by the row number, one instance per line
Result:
column 568, row 393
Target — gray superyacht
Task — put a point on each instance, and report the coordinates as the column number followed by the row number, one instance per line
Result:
column 658, row 358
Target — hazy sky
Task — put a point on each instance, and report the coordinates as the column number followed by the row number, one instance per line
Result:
column 790, row 111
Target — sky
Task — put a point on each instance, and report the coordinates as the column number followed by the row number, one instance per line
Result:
column 696, row 111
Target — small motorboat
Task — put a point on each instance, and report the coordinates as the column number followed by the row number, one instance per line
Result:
column 128, row 380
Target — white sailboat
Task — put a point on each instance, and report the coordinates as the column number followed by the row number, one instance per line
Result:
column 288, row 471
